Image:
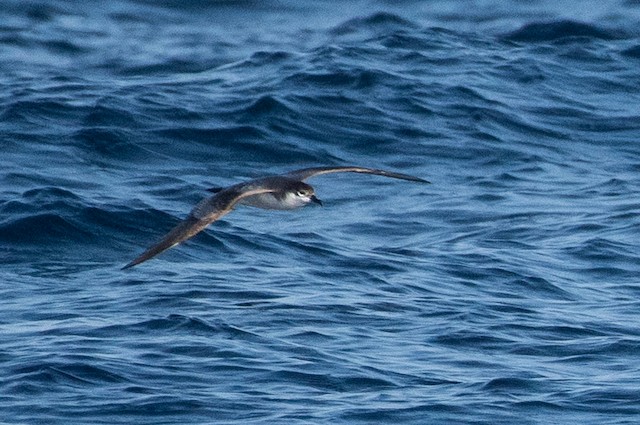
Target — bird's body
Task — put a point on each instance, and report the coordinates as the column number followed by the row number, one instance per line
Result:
column 281, row 192
column 285, row 198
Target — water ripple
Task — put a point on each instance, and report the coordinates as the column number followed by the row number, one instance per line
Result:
column 504, row 292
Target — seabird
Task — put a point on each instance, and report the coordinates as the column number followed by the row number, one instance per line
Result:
column 281, row 192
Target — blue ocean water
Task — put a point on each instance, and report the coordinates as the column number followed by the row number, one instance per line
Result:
column 507, row 291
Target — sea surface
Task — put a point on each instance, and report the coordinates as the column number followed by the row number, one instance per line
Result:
column 507, row 291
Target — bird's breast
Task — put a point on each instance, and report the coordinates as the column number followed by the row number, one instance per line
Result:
column 271, row 201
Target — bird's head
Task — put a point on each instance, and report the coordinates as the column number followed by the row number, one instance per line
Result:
column 303, row 194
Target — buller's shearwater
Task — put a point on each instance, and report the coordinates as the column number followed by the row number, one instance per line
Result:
column 282, row 192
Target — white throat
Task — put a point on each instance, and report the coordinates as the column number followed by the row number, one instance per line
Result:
column 292, row 200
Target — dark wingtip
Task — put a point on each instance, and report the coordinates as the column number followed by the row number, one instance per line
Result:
column 408, row 177
column 411, row 178
column 402, row 176
column 129, row 265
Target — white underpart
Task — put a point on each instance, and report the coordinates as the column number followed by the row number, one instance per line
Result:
column 269, row 202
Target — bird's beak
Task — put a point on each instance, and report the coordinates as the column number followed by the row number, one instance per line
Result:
column 316, row 200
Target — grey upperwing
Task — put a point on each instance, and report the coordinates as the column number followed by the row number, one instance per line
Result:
column 306, row 173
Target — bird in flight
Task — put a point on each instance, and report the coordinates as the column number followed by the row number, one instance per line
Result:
column 281, row 192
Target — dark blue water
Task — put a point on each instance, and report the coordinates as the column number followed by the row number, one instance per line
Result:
column 505, row 292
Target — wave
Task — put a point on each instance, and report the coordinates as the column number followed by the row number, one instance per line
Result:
column 559, row 30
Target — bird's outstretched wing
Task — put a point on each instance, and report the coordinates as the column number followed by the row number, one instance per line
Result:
column 202, row 215
column 306, row 173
